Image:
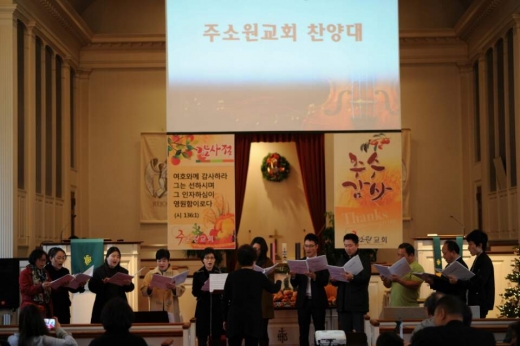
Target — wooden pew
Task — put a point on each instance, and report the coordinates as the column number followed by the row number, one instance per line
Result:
column 497, row 326
column 155, row 334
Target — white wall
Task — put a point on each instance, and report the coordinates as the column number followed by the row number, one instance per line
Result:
column 123, row 103
column 126, row 16
column 431, row 109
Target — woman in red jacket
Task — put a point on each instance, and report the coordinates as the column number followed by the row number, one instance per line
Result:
column 35, row 284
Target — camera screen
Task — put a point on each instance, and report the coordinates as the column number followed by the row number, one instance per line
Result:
column 50, row 323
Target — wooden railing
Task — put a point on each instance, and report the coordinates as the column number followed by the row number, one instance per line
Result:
column 181, row 334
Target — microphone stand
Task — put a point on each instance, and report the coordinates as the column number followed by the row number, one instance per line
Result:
column 461, row 225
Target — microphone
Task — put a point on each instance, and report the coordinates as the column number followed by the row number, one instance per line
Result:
column 460, row 223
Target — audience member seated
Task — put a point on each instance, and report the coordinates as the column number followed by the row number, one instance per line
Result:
column 429, row 304
column 33, row 331
column 117, row 317
column 450, row 328
column 468, row 316
column 513, row 331
column 389, row 339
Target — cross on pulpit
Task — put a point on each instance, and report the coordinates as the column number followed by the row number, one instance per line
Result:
column 274, row 249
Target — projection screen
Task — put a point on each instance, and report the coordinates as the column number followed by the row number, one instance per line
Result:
column 282, row 65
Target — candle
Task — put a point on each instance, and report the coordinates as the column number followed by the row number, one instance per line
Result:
column 273, row 258
column 284, row 252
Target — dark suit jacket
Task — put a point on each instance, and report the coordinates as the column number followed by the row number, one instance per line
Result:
column 319, row 296
column 353, row 295
column 442, row 284
column 105, row 292
column 209, row 306
column 455, row 333
column 481, row 287
column 242, row 302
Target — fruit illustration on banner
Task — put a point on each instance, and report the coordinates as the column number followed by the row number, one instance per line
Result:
column 218, row 228
column 181, row 147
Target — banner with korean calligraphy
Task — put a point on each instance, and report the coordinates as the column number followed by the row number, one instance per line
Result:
column 368, row 188
column 153, row 178
column 201, row 191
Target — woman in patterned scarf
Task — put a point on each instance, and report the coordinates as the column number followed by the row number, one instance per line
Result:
column 35, row 283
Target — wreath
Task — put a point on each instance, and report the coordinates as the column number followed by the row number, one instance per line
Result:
column 275, row 167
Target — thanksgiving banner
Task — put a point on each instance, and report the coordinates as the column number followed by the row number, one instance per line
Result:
column 201, row 192
column 368, row 188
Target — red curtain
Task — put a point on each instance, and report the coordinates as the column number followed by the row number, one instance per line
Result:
column 242, row 149
column 311, row 154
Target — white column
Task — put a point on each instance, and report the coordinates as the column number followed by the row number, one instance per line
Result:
column 82, row 152
column 25, row 235
column 7, row 128
column 65, row 149
column 484, row 140
column 516, row 45
column 467, row 143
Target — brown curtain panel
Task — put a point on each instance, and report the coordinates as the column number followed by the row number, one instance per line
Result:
column 311, row 154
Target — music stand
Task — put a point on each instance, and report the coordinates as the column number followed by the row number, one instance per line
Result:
column 216, row 286
column 151, row 317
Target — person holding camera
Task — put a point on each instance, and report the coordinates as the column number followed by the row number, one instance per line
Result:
column 32, row 330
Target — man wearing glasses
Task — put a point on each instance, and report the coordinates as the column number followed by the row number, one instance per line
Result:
column 311, row 300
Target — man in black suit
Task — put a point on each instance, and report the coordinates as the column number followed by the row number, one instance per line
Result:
column 451, row 253
column 352, row 298
column 311, row 300
column 450, row 329
column 481, row 287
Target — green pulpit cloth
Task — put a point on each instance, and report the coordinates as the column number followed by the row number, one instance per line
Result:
column 437, row 257
column 86, row 253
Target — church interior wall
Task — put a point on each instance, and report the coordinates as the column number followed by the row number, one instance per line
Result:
column 123, row 103
column 430, row 108
column 127, row 102
column 126, row 16
column 120, row 103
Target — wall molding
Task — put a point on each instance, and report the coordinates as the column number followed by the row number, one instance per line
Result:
column 68, row 18
column 474, row 16
column 424, row 46
column 440, row 46
column 112, row 51
column 57, row 24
